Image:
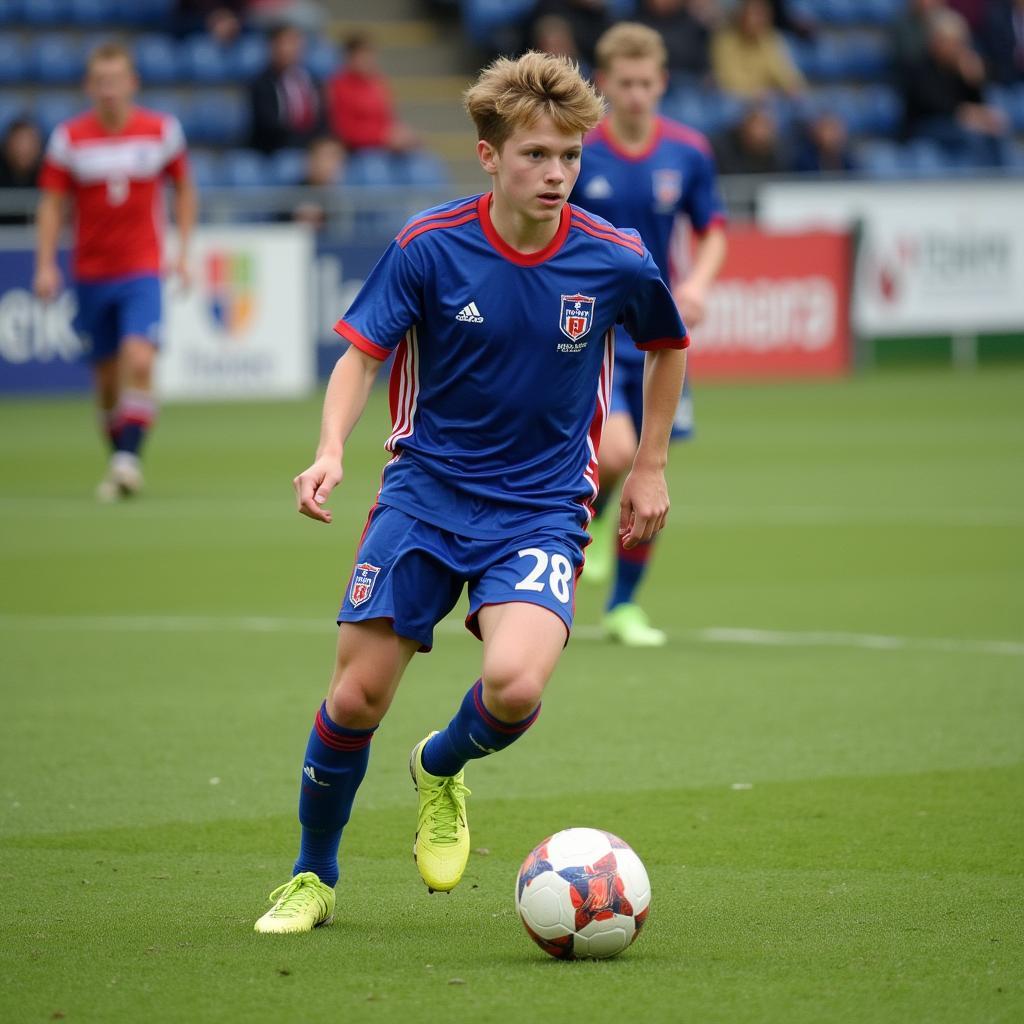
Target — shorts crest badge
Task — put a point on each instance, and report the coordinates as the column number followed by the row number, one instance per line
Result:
column 577, row 315
column 363, row 579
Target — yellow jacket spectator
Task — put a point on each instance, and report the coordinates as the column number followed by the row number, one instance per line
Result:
column 749, row 58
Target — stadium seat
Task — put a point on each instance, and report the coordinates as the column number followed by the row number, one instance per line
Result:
column 51, row 109
column 865, row 58
column 56, row 60
column 247, row 58
column 45, row 13
column 12, row 60
column 881, row 112
column 483, row 17
column 322, row 58
column 881, row 160
column 90, row 13
column 288, row 167
column 202, row 60
column 11, row 107
column 205, row 168
column 419, row 169
column 369, row 168
column 143, row 13
column 156, row 58
column 925, row 158
column 10, row 13
column 245, row 168
column 218, row 119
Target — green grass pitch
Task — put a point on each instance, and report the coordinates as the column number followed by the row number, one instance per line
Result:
column 824, row 771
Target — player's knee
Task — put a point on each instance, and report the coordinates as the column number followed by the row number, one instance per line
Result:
column 356, row 703
column 512, row 691
column 616, row 458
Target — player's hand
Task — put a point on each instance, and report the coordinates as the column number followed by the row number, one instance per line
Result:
column 314, row 485
column 691, row 303
column 643, row 507
column 47, row 282
column 182, row 272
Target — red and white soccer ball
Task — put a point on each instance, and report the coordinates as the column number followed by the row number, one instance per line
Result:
column 583, row 893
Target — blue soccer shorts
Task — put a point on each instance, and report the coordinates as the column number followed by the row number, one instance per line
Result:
column 628, row 397
column 120, row 307
column 413, row 572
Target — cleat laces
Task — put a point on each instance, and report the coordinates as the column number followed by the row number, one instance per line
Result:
column 292, row 897
column 445, row 810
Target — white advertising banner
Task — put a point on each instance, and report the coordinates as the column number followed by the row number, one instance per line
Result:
column 243, row 329
column 934, row 258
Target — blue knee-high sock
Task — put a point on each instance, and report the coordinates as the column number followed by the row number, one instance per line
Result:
column 473, row 732
column 630, row 569
column 335, row 764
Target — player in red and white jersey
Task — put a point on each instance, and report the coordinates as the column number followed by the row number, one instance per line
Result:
column 110, row 163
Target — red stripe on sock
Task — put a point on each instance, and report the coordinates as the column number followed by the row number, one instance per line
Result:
column 511, row 728
column 336, row 740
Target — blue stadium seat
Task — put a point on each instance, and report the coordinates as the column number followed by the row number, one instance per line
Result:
column 322, row 58
column 865, row 58
column 924, row 157
column 881, row 160
column 45, row 13
column 244, row 168
column 50, row 109
column 202, row 60
column 419, row 169
column 143, row 13
column 882, row 111
column 205, row 168
column 89, row 13
column 12, row 60
column 369, row 168
column 56, row 60
column 247, row 58
column 482, row 17
column 219, row 120
column 10, row 13
column 288, row 167
column 11, row 107
column 156, row 58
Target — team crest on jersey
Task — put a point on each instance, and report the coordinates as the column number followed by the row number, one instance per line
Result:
column 363, row 580
column 668, row 187
column 577, row 315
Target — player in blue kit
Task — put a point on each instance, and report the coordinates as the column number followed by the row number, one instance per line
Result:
column 500, row 309
column 650, row 173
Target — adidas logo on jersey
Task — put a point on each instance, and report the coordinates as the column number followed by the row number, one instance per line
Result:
column 469, row 314
column 598, row 188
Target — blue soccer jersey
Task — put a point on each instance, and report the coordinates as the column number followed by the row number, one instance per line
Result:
column 649, row 191
column 503, row 363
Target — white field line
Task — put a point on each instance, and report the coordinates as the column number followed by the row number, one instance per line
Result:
column 710, row 515
column 721, row 635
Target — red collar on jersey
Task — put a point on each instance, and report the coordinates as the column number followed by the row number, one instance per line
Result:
column 522, row 259
column 604, row 131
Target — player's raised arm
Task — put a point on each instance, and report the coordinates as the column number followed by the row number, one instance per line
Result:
column 347, row 392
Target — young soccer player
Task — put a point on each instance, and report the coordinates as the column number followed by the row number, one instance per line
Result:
column 500, row 309
column 643, row 171
column 111, row 162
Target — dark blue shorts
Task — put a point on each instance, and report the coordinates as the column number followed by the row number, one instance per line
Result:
column 412, row 573
column 628, row 397
column 112, row 310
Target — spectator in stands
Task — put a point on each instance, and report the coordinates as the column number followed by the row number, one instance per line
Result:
column 825, row 148
column 587, row 20
column 908, row 36
column 749, row 57
column 973, row 11
column 553, row 34
column 287, row 111
column 685, row 26
column 359, row 102
column 220, row 19
column 325, row 169
column 1001, row 40
column 799, row 22
column 945, row 96
column 753, row 146
column 21, row 153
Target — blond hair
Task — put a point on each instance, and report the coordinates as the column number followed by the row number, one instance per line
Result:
column 632, row 41
column 513, row 94
column 110, row 50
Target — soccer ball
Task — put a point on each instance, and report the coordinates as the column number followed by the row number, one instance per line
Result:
column 583, row 893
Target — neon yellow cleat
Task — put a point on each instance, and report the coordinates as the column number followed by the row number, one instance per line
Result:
column 598, row 566
column 300, row 905
column 629, row 625
column 441, row 848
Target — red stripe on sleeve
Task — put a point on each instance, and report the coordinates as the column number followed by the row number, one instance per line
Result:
column 434, row 217
column 650, row 346
column 371, row 348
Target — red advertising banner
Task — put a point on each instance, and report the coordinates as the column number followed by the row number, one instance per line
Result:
column 780, row 307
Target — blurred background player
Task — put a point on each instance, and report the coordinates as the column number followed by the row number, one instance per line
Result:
column 641, row 170
column 110, row 161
